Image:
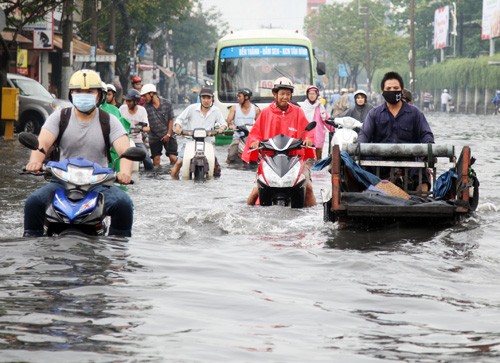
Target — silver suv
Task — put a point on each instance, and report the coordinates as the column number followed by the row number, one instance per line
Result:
column 35, row 103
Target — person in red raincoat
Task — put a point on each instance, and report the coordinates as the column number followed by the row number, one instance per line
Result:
column 281, row 117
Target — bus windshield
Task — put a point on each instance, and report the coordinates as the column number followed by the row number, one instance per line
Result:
column 257, row 66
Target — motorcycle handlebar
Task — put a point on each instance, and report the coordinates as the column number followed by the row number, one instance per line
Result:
column 35, row 173
column 190, row 132
column 45, row 172
column 262, row 148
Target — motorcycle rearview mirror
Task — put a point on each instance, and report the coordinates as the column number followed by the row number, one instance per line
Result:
column 310, row 126
column 331, row 122
column 30, row 141
column 134, row 154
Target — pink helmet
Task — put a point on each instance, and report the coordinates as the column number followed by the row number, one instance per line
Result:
column 312, row 88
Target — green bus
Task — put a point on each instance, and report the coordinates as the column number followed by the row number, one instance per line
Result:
column 253, row 59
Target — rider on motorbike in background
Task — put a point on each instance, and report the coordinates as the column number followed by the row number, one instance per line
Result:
column 242, row 114
column 83, row 137
column 315, row 111
column 281, row 117
column 198, row 115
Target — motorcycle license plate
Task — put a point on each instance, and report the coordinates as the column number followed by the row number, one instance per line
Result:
column 199, row 146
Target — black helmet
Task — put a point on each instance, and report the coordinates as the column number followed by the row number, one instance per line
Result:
column 245, row 92
column 133, row 95
column 205, row 91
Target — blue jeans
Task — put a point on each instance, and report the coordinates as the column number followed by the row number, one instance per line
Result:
column 148, row 163
column 117, row 203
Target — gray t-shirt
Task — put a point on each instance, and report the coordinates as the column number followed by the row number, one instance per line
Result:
column 84, row 139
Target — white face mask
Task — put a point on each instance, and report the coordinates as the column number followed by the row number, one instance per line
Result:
column 84, row 102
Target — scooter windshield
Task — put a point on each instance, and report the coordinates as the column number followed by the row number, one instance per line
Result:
column 282, row 142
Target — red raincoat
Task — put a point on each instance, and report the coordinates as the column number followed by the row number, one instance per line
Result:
column 273, row 121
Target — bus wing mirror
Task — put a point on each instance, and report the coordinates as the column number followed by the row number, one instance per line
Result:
column 210, row 67
column 321, row 68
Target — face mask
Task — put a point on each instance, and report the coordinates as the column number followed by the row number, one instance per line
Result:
column 392, row 97
column 84, row 102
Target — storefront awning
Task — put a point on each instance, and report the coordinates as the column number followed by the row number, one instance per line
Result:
column 166, row 71
column 81, row 51
column 8, row 36
column 149, row 67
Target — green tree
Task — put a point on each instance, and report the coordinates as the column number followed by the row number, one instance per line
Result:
column 194, row 37
column 340, row 30
column 467, row 42
column 19, row 13
column 136, row 23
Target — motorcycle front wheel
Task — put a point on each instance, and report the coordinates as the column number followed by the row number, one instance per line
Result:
column 199, row 173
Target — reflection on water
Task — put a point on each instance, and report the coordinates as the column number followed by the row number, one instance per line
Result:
column 386, row 238
column 58, row 294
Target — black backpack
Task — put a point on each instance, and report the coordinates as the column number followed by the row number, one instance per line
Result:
column 54, row 152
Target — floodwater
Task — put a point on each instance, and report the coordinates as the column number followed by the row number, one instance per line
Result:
column 206, row 278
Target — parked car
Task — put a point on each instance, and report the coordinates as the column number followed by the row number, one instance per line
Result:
column 35, row 103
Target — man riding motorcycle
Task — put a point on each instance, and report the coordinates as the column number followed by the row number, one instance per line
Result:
column 82, row 137
column 281, row 117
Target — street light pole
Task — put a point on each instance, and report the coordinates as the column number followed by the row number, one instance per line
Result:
column 412, row 48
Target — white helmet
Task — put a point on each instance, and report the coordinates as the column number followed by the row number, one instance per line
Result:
column 360, row 92
column 445, row 90
column 283, row 83
column 149, row 87
column 110, row 87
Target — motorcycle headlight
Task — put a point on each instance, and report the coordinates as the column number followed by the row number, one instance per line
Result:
column 287, row 180
column 199, row 133
column 78, row 176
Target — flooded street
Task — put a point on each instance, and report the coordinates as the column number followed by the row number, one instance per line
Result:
column 206, row 278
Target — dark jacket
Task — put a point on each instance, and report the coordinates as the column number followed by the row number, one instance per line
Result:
column 358, row 112
column 409, row 126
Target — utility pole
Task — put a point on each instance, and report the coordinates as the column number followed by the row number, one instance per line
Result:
column 412, row 48
column 94, row 30
column 112, row 39
column 67, row 57
column 112, row 30
column 366, row 12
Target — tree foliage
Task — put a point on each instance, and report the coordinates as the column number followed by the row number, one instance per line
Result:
column 339, row 29
column 19, row 13
column 468, row 41
column 195, row 35
column 181, row 25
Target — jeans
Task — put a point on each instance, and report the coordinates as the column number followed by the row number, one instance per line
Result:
column 118, row 206
column 148, row 163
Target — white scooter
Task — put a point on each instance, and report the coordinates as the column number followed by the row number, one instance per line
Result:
column 199, row 155
column 345, row 133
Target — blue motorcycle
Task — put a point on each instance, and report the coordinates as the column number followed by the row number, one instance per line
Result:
column 75, row 206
